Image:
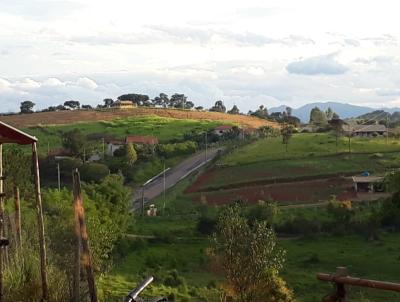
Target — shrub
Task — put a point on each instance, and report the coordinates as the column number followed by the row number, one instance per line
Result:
column 174, row 280
column 94, row 172
column 206, row 225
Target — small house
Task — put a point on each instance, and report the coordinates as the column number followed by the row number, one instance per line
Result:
column 139, row 140
column 366, row 130
column 221, row 130
column 123, row 105
column 368, row 184
column 114, row 145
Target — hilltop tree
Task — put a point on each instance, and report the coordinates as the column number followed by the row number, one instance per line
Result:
column 261, row 112
column 318, row 117
column 161, row 100
column 179, row 100
column 249, row 257
column 234, row 110
column 27, row 107
column 108, row 102
column 139, row 99
column 218, row 107
column 72, row 104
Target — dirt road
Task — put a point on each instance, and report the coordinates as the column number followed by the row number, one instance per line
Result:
column 172, row 177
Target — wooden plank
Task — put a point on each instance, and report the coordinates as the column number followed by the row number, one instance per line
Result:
column 39, row 213
column 86, row 257
column 359, row 282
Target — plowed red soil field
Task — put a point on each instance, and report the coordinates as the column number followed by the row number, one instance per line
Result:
column 310, row 191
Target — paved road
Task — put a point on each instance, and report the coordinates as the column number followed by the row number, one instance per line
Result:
column 173, row 176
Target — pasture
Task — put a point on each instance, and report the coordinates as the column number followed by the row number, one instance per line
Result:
column 306, row 145
column 165, row 129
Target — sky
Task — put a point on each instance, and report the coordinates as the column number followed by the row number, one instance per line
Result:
column 246, row 53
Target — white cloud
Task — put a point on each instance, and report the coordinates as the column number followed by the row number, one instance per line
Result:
column 320, row 65
column 4, row 84
column 87, row 83
column 240, row 51
column 53, row 82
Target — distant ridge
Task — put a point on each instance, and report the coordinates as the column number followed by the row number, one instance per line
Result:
column 343, row 109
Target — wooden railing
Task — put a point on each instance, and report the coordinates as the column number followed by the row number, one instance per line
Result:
column 341, row 279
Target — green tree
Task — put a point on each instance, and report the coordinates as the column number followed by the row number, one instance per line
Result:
column 27, row 107
column 72, row 104
column 286, row 132
column 261, row 112
column 336, row 125
column 318, row 117
column 234, row 110
column 74, row 141
column 218, row 107
column 108, row 102
column 249, row 258
column 131, row 155
column 329, row 113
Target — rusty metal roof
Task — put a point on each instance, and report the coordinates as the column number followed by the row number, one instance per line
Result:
column 11, row 135
column 138, row 139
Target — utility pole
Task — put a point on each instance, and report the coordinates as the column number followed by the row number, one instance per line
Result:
column 59, row 176
column 164, row 189
column 387, row 128
column 1, row 225
column 104, row 148
column 206, row 146
column 142, row 200
column 84, row 155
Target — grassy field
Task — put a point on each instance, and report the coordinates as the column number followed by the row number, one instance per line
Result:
column 287, row 170
column 306, row 145
column 165, row 129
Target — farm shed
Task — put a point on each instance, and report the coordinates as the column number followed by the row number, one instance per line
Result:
column 369, row 184
column 124, row 105
column 11, row 135
column 366, row 130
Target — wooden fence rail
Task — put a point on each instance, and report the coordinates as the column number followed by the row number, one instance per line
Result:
column 341, row 279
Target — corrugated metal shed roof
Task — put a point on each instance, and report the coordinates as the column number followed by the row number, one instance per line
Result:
column 11, row 135
column 367, row 179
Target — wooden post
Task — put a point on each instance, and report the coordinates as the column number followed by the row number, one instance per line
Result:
column 17, row 217
column 143, row 201
column 1, row 223
column 78, row 242
column 86, row 258
column 39, row 212
column 164, row 187
column 58, row 176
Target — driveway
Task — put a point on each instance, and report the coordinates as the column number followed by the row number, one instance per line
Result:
column 173, row 176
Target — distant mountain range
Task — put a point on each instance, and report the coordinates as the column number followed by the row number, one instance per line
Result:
column 342, row 109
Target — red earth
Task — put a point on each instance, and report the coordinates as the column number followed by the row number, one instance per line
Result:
column 310, row 191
